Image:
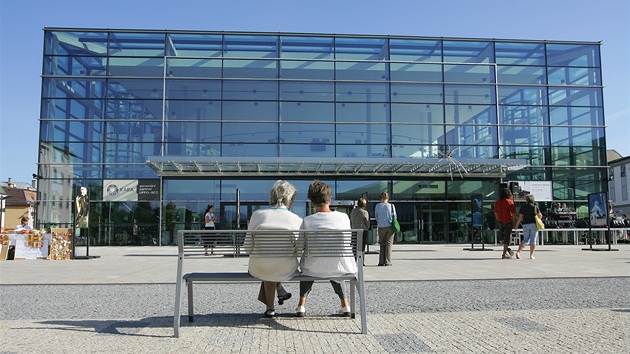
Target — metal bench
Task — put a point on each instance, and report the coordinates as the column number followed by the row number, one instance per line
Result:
column 270, row 244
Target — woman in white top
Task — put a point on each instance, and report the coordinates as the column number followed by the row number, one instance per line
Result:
column 320, row 195
column 210, row 219
column 273, row 271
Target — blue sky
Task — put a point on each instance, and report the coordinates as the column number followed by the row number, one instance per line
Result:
column 22, row 21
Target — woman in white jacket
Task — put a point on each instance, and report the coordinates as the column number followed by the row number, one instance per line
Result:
column 273, row 271
column 320, row 195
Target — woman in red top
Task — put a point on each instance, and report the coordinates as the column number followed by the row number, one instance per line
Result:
column 504, row 210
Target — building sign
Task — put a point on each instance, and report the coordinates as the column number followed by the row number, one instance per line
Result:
column 131, row 190
column 476, row 206
column 541, row 190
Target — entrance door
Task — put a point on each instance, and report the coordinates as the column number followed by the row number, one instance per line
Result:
column 228, row 215
column 432, row 223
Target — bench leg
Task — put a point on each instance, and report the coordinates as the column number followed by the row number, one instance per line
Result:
column 178, row 301
column 190, row 301
column 352, row 299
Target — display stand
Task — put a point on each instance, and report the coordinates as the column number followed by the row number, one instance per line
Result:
column 476, row 223
column 598, row 216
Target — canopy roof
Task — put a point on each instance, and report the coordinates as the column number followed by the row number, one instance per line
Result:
column 315, row 166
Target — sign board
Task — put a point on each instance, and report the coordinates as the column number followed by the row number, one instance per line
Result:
column 131, row 190
column 476, row 207
column 541, row 190
column 597, row 211
column 81, row 207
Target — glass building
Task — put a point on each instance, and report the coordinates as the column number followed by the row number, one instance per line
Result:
column 159, row 124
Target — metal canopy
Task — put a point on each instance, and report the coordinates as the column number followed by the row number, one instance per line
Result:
column 309, row 166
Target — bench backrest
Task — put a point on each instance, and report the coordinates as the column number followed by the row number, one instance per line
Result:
column 271, row 243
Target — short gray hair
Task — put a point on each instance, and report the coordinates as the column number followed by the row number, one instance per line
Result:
column 282, row 194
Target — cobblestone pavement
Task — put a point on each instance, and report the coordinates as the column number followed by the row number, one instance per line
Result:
column 434, row 299
column 578, row 315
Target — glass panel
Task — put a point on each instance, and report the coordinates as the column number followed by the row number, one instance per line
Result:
column 469, row 73
column 524, row 75
column 471, row 114
column 490, row 151
column 417, row 134
column 575, row 97
column 147, row 132
column 462, row 190
column 319, row 135
column 134, row 88
column 353, row 190
column 573, row 55
column 562, row 136
column 193, row 110
column 524, row 135
column 249, row 150
column 75, row 43
column 245, row 132
column 362, row 150
column 195, row 45
column 534, row 156
column 468, row 94
column 250, row 69
column 360, row 129
column 415, row 151
column 55, row 108
column 130, row 151
column 362, row 92
column 471, row 135
column 361, row 48
column 519, row 95
column 196, row 68
column 134, row 109
column 468, row 52
column 415, row 50
column 191, row 148
column 519, row 53
column 307, row 112
column 523, row 115
column 250, row 46
column 361, row 71
column 306, row 47
column 136, row 67
column 74, row 66
column 416, row 72
column 576, row 116
column 250, row 111
column 71, row 131
column 417, row 93
column 417, row 113
column 315, row 149
column 136, row 44
column 250, row 90
column 66, row 88
column 194, row 132
column 128, row 171
column 307, row 91
column 575, row 76
column 357, row 133
column 194, row 89
column 307, row 70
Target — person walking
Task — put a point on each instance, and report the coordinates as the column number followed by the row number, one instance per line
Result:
column 505, row 212
column 360, row 219
column 384, row 212
column 527, row 214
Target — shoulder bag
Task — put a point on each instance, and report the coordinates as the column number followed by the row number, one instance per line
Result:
column 539, row 223
column 395, row 224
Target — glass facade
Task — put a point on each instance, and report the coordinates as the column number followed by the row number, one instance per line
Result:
column 112, row 99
